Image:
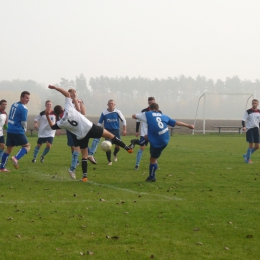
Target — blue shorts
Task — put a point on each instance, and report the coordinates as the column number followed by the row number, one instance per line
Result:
column 2, row 139
column 115, row 132
column 16, row 139
column 155, row 152
column 143, row 142
column 43, row 140
column 252, row 135
column 71, row 139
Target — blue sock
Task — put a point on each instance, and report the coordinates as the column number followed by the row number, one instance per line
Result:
column 74, row 160
column 45, row 151
column 1, row 153
column 252, row 150
column 94, row 146
column 4, row 160
column 139, row 156
column 152, row 170
column 35, row 152
column 21, row 153
column 248, row 153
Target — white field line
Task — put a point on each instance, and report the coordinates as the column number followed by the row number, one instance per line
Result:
column 135, row 192
column 96, row 184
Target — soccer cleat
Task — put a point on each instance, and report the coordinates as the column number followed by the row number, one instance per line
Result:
column 72, row 174
column 131, row 146
column 42, row 159
column 84, row 179
column 134, row 142
column 4, row 170
column 150, row 179
column 109, row 163
column 247, row 160
column 15, row 162
column 33, row 160
column 92, row 159
column 115, row 158
column 136, row 167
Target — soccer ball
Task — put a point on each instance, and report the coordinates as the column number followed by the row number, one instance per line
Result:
column 106, row 146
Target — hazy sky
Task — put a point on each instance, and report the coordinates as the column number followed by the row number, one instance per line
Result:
column 45, row 40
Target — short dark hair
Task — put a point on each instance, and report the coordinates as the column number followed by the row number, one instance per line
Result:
column 154, row 106
column 2, row 101
column 25, row 93
column 58, row 110
column 151, row 98
column 47, row 101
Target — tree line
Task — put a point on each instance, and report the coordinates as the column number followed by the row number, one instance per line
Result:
column 177, row 97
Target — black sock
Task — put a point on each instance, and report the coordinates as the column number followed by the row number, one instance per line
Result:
column 117, row 141
column 116, row 151
column 84, row 166
column 108, row 154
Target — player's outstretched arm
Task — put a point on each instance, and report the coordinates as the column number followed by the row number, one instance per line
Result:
column 47, row 114
column 61, row 90
column 179, row 123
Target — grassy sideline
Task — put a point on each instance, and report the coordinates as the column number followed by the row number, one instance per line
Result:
column 204, row 205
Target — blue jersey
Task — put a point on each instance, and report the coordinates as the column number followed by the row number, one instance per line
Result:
column 112, row 119
column 158, row 132
column 18, row 114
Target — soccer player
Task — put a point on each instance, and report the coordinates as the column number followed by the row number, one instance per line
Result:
column 143, row 132
column 81, row 127
column 75, row 150
column 250, row 123
column 158, row 134
column 17, row 126
column 111, row 118
column 3, row 125
column 45, row 133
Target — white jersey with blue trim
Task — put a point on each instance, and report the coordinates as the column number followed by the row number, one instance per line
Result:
column 3, row 117
column 158, row 132
column 112, row 119
column 44, row 127
column 252, row 118
column 74, row 121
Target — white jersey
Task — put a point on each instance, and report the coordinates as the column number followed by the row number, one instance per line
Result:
column 143, row 128
column 74, row 121
column 3, row 117
column 252, row 118
column 44, row 127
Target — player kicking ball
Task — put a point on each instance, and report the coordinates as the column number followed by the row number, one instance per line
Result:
column 158, row 134
column 81, row 127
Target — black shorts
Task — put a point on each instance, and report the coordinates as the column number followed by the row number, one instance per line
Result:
column 95, row 132
column 2, row 139
column 43, row 140
column 16, row 140
column 156, row 152
column 252, row 135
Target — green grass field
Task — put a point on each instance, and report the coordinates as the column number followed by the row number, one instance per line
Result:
column 204, row 205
